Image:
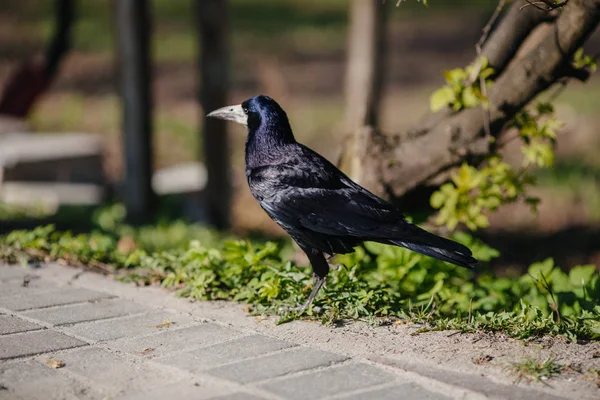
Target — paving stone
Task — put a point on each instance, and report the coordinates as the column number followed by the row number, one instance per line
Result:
column 222, row 353
column 179, row 339
column 33, row 288
column 37, row 342
column 10, row 272
column 52, row 298
column 408, row 391
column 238, row 396
column 50, row 384
column 116, row 374
column 139, row 325
column 474, row 383
column 85, row 312
column 10, row 324
column 182, row 390
column 332, row 381
column 274, row 365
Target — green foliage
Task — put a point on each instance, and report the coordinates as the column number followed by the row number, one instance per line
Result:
column 473, row 193
column 538, row 133
column 532, row 369
column 374, row 283
column 584, row 61
column 461, row 90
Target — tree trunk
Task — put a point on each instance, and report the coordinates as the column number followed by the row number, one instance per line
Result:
column 407, row 168
column 133, row 26
column 364, row 77
column 214, row 65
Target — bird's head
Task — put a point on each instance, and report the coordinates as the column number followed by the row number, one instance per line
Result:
column 256, row 112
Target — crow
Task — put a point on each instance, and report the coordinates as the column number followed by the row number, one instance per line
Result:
column 321, row 208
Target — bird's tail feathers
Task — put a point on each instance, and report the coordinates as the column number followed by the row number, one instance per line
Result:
column 426, row 243
column 453, row 257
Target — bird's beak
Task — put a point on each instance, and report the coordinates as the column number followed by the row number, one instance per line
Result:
column 231, row 113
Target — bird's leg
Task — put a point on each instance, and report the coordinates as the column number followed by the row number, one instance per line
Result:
column 320, row 269
column 318, row 283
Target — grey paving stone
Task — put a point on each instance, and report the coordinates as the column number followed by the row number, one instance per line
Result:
column 238, row 396
column 179, row 339
column 37, row 342
column 274, row 365
column 33, row 288
column 10, row 272
column 181, row 390
column 85, row 312
column 139, row 325
column 52, row 298
column 32, row 380
column 115, row 374
column 329, row 382
column 222, row 353
column 408, row 391
column 10, row 324
column 471, row 382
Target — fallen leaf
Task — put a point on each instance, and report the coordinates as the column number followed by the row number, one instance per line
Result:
column 165, row 324
column 55, row 363
column 126, row 245
column 482, row 359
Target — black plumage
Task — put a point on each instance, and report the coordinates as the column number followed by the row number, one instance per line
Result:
column 323, row 210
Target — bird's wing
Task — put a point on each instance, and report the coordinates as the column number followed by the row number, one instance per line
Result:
column 317, row 196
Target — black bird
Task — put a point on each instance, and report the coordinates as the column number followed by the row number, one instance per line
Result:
column 322, row 209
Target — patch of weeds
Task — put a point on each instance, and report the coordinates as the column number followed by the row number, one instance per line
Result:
column 531, row 369
column 375, row 284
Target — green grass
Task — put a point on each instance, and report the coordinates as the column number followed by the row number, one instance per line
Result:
column 376, row 284
column 531, row 369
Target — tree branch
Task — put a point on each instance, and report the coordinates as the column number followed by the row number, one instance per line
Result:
column 410, row 167
column 499, row 48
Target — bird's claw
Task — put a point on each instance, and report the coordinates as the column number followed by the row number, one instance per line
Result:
column 288, row 309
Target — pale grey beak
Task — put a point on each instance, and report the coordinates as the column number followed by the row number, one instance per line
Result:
column 231, row 113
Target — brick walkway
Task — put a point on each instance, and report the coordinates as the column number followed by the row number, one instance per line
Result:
column 117, row 341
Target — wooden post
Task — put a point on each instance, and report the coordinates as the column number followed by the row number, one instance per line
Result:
column 133, row 27
column 212, row 19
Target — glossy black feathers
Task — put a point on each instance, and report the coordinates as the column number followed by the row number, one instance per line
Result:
column 318, row 205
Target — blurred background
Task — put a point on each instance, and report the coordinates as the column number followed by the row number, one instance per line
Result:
column 292, row 50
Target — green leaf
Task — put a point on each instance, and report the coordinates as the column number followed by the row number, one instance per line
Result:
column 456, row 76
column 441, row 98
column 582, row 275
column 470, row 98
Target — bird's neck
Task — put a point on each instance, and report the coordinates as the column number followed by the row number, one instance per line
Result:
column 266, row 142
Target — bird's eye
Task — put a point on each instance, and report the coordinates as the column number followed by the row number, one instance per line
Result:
column 245, row 109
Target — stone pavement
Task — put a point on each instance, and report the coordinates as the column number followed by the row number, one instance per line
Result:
column 66, row 334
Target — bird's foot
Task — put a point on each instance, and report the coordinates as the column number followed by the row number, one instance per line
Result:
column 318, row 283
column 300, row 308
